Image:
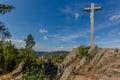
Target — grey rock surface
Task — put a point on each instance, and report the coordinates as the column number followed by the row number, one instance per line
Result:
column 104, row 65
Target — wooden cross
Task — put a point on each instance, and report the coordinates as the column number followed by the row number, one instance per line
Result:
column 91, row 10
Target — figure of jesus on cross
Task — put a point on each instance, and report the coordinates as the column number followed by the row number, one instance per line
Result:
column 91, row 10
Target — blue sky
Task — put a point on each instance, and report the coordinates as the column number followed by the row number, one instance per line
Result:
column 62, row 24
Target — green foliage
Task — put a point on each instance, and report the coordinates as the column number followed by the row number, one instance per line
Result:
column 27, row 52
column 1, row 55
column 83, row 51
column 109, row 74
column 4, row 33
column 5, row 8
column 39, row 60
column 29, row 42
column 28, row 56
column 57, row 58
column 10, row 56
column 35, row 74
column 6, row 49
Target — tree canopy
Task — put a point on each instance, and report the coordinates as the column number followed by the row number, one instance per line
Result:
column 5, row 8
column 4, row 33
column 29, row 42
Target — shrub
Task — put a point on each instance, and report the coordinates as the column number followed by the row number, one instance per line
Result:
column 10, row 57
column 83, row 51
column 35, row 74
column 57, row 58
column 109, row 75
column 39, row 60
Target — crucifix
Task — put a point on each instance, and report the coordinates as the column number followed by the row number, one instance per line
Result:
column 91, row 10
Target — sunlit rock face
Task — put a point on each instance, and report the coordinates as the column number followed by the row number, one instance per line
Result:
column 103, row 65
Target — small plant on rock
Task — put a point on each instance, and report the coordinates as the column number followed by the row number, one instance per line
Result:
column 83, row 52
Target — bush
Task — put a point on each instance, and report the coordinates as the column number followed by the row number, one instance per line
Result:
column 109, row 75
column 10, row 54
column 83, row 51
column 57, row 58
column 35, row 74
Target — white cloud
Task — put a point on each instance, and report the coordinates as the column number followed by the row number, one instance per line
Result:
column 75, row 46
column 72, row 11
column 59, row 49
column 18, row 43
column 67, row 9
column 76, row 15
column 70, row 38
column 107, row 24
column 109, row 41
column 43, row 31
column 45, row 37
column 113, row 31
column 115, row 17
column 39, row 47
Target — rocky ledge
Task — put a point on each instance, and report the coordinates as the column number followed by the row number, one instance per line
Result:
column 103, row 65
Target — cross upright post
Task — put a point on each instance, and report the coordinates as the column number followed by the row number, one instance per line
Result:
column 91, row 10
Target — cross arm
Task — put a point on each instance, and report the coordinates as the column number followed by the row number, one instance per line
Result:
column 87, row 9
column 97, row 8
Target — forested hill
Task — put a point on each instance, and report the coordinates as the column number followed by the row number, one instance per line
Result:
column 42, row 53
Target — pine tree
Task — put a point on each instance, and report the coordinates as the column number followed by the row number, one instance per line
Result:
column 5, row 8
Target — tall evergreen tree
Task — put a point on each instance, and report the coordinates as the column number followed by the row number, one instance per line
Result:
column 4, row 33
column 29, row 42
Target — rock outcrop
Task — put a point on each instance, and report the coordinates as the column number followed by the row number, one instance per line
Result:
column 103, row 65
column 67, row 61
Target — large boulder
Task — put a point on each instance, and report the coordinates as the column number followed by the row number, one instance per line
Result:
column 107, row 57
column 64, row 66
column 68, row 59
column 98, row 56
column 83, row 61
column 67, row 73
column 93, row 50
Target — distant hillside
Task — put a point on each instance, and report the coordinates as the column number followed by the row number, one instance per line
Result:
column 42, row 53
